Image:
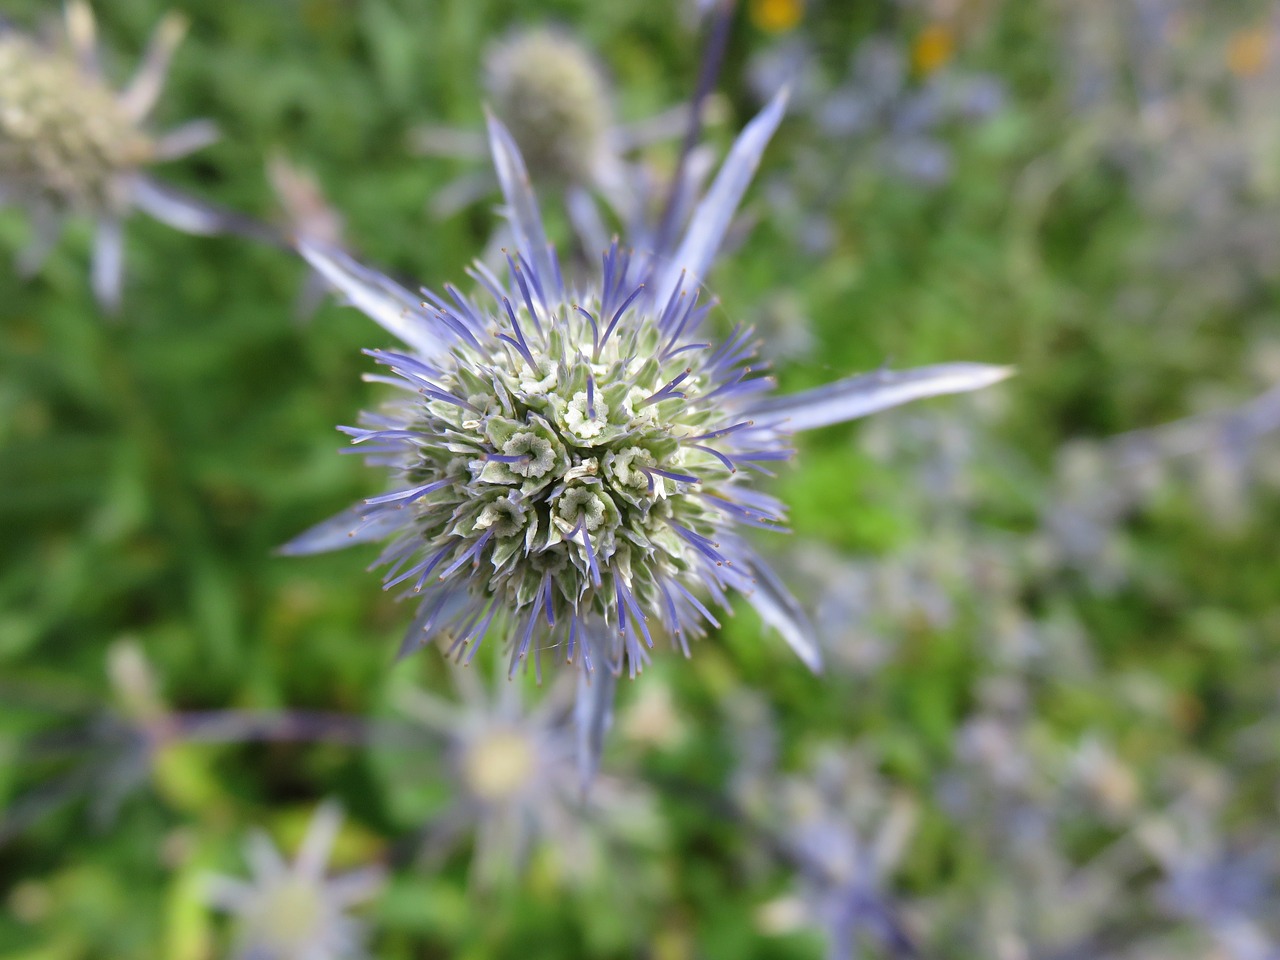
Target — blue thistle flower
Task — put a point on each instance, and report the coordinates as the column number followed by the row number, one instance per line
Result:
column 574, row 465
column 511, row 771
column 846, row 831
column 70, row 144
column 293, row 910
column 556, row 101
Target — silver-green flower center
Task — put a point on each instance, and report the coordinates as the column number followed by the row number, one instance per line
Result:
column 564, row 459
column 64, row 137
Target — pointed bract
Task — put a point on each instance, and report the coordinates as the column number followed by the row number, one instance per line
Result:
column 108, row 263
column 140, row 97
column 175, row 209
column 380, row 298
column 713, row 214
column 870, row 393
column 317, row 844
column 780, row 610
column 522, row 206
column 186, row 139
column 593, row 708
column 348, row 528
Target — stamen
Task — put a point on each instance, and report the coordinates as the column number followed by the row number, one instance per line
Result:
column 708, row 548
column 677, row 477
column 621, row 310
column 595, row 330
column 724, row 431
column 592, row 566
column 669, row 391
column 524, row 291
column 555, row 270
column 520, row 650
column 536, row 281
column 519, row 343
column 728, row 463
column 677, row 292
column 688, row 346
column 572, row 642
column 436, row 394
column 547, row 605
column 410, row 495
column 472, row 553
column 696, row 604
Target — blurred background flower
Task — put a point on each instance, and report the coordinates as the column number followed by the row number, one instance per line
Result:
column 514, row 784
column 293, row 910
column 71, row 145
column 555, row 98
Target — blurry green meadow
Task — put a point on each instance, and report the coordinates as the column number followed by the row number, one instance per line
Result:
column 1053, row 632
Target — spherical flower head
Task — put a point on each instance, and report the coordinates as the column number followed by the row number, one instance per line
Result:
column 573, row 458
column 70, row 144
column 574, row 465
column 553, row 97
column 63, row 134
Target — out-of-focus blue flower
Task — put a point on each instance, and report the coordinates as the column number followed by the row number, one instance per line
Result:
column 879, row 102
column 555, row 100
column 293, row 911
column 70, row 145
column 112, row 748
column 1226, row 453
column 1021, row 798
column 1179, row 95
column 512, row 766
column 878, row 118
column 575, row 465
column 846, row 831
column 1225, row 888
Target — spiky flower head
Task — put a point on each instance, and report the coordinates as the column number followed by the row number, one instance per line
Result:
column 70, row 144
column 292, row 911
column 553, row 97
column 591, row 462
column 575, row 464
column 551, row 92
column 64, row 135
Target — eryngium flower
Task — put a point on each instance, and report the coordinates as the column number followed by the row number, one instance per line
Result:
column 556, row 102
column 292, row 911
column 553, row 97
column 71, row 145
column 575, row 465
column 846, row 832
column 511, row 770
